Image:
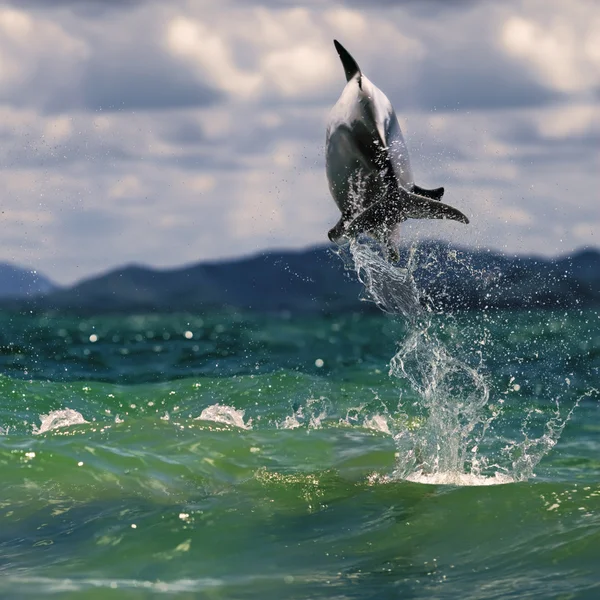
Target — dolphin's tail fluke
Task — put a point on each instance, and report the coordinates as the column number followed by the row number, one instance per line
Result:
column 383, row 215
column 381, row 218
column 420, row 207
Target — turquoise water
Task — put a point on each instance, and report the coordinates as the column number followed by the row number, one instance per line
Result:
column 356, row 456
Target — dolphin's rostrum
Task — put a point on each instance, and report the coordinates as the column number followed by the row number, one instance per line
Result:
column 368, row 167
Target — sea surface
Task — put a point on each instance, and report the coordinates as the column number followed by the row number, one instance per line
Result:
column 417, row 454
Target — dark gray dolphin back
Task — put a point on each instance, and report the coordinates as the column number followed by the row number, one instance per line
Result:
column 350, row 65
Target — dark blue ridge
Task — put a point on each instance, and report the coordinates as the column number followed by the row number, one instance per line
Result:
column 18, row 282
column 315, row 281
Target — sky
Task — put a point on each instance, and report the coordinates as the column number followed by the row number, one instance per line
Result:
column 167, row 133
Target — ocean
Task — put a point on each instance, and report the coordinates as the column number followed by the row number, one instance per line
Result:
column 410, row 453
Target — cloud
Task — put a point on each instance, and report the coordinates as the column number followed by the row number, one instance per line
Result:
column 59, row 66
column 111, row 84
column 51, row 4
column 290, row 57
column 177, row 55
column 563, row 57
column 205, row 49
column 84, row 8
column 40, row 60
column 166, row 133
column 447, row 70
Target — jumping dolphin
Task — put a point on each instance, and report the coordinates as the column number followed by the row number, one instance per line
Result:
column 368, row 168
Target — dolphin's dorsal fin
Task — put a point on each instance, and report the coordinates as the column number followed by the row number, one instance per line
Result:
column 350, row 65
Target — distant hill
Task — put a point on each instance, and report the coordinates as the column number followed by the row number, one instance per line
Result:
column 16, row 282
column 315, row 281
column 299, row 281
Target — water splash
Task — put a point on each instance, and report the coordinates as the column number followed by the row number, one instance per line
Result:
column 57, row 419
column 460, row 479
column 311, row 414
column 377, row 423
column 391, row 288
column 220, row 413
column 452, row 411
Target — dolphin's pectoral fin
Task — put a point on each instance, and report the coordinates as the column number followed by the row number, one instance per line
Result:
column 420, row 207
column 380, row 216
column 435, row 194
column 379, row 221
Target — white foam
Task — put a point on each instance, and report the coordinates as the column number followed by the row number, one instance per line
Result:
column 377, row 423
column 49, row 585
column 228, row 415
column 459, row 479
column 290, row 422
column 57, row 419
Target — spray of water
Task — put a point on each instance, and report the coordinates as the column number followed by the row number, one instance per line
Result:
column 452, row 396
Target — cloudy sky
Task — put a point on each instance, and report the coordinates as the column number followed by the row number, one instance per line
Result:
column 166, row 133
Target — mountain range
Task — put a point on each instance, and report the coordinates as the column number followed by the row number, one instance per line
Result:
column 17, row 282
column 315, row 280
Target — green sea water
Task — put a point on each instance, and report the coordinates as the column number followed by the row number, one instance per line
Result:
column 228, row 455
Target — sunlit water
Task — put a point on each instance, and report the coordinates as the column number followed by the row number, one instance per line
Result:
column 341, row 456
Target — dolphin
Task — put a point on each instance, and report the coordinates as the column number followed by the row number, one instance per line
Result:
column 368, row 167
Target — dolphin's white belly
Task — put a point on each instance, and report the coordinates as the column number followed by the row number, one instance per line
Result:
column 362, row 117
column 345, row 167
